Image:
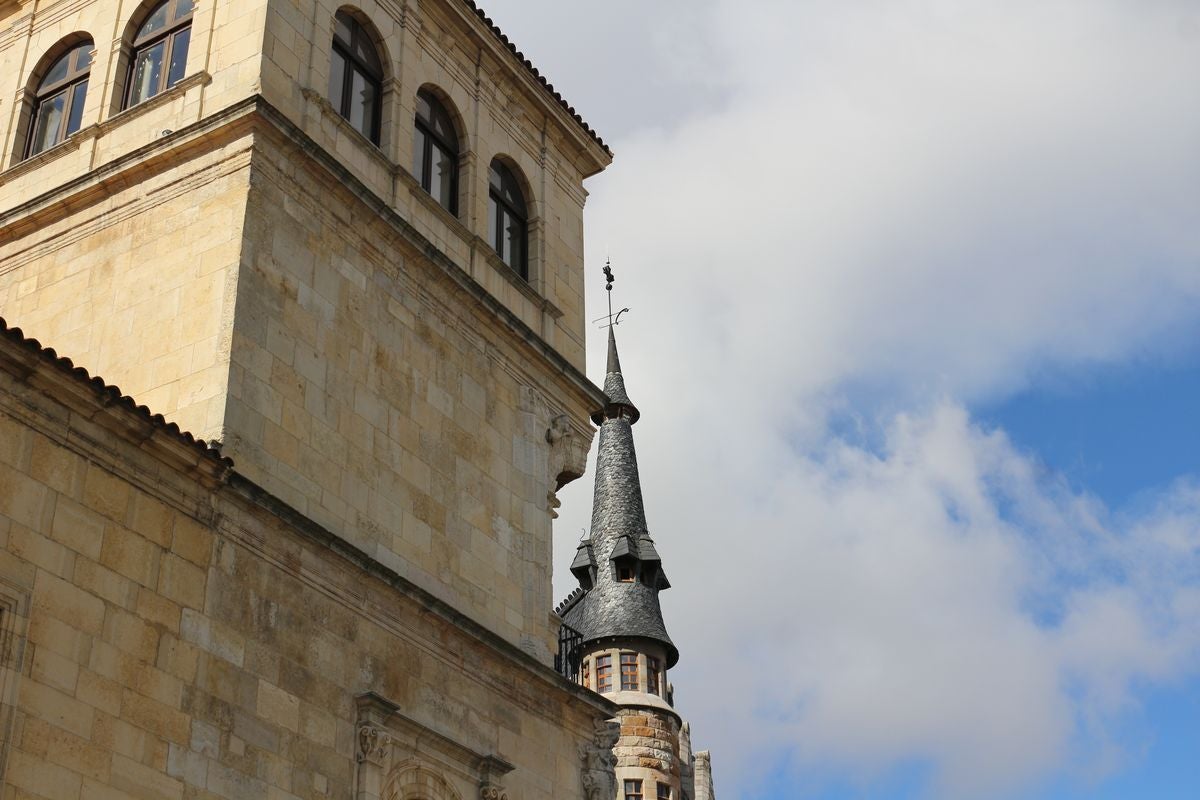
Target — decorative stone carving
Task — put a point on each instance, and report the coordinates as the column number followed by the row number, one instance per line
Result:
column 568, row 451
column 373, row 744
column 598, row 774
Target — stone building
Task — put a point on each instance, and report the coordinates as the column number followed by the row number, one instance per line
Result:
column 341, row 247
column 624, row 647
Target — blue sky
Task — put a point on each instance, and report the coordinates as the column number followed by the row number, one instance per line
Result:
column 915, row 293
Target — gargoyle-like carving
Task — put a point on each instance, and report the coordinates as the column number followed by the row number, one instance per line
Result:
column 599, row 775
column 568, row 451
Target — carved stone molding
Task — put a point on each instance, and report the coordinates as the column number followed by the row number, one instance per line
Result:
column 392, row 748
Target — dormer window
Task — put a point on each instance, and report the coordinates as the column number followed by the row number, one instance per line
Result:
column 626, row 573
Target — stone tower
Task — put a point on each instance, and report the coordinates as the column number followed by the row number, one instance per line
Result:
column 624, row 648
column 343, row 243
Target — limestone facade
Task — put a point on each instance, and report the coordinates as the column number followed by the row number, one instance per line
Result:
column 360, row 605
column 237, row 256
column 171, row 630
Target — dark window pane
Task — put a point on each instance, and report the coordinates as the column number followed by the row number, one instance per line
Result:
column 364, row 52
column 58, row 71
column 179, row 54
column 343, row 29
column 78, row 98
column 493, row 213
column 424, row 110
column 362, row 104
column 337, row 78
column 48, row 123
column 154, row 23
column 83, row 56
column 420, row 144
column 441, row 185
column 147, row 71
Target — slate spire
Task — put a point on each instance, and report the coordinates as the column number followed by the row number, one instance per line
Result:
column 621, row 597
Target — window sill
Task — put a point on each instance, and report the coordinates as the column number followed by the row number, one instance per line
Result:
column 161, row 99
column 330, row 113
column 68, row 145
column 511, row 275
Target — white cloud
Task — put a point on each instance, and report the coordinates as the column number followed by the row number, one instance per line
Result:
column 887, row 212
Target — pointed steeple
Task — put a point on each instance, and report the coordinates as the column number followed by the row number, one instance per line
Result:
column 619, row 403
column 623, row 602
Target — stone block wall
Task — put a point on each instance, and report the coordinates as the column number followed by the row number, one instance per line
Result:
column 173, row 631
column 648, row 749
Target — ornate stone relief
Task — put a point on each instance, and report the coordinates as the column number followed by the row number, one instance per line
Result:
column 598, row 773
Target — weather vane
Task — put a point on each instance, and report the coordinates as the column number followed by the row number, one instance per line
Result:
column 608, row 277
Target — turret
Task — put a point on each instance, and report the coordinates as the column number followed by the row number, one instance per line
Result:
column 625, row 650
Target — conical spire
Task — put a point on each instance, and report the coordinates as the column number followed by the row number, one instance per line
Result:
column 623, row 602
column 619, row 403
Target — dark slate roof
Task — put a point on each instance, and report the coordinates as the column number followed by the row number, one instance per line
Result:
column 619, row 403
column 111, row 394
column 512, row 48
column 612, row 608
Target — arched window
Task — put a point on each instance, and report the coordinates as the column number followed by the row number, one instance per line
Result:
column 355, row 76
column 58, row 101
column 160, row 50
column 507, row 218
column 435, row 151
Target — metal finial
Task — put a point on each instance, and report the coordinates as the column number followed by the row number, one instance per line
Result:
column 609, row 278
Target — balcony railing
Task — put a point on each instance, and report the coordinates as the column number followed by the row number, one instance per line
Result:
column 567, row 660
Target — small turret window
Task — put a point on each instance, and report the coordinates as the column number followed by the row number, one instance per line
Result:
column 629, row 672
column 664, row 792
column 604, row 674
column 652, row 675
column 625, row 573
column 633, row 790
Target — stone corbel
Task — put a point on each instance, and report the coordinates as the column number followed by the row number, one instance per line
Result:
column 491, row 770
column 374, row 746
column 568, row 450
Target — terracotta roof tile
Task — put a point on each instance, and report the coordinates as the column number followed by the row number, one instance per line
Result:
column 549, row 87
column 111, row 395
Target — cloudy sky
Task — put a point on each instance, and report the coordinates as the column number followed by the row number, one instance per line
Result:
column 915, row 292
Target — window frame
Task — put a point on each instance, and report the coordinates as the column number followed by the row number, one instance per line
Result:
column 662, row 791
column 174, row 25
column 373, row 74
column 66, row 86
column 653, row 684
column 632, row 789
column 604, row 675
column 449, row 147
column 630, row 678
column 499, row 206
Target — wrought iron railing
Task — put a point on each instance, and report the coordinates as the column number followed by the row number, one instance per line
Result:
column 567, row 660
